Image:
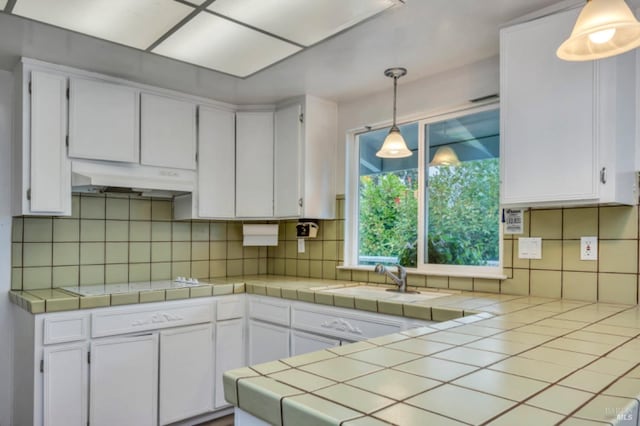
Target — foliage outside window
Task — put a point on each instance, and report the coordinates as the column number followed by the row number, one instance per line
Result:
column 460, row 203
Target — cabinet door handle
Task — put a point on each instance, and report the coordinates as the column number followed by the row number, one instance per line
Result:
column 603, row 175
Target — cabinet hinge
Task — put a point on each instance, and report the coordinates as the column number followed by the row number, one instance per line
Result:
column 67, row 93
column 88, row 357
column 29, row 194
column 300, row 202
column 66, row 141
column 603, row 175
column 196, row 157
column 29, row 87
column 301, row 117
column 42, row 365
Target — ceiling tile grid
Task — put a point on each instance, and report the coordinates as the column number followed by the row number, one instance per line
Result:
column 236, row 37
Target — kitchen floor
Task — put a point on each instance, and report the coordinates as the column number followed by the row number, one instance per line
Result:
column 222, row 421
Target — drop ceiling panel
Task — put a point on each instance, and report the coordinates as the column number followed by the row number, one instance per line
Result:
column 194, row 2
column 213, row 42
column 303, row 22
column 135, row 23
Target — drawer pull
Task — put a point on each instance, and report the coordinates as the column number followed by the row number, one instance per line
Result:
column 158, row 318
column 341, row 325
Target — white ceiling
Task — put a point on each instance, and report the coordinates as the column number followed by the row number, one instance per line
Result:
column 425, row 36
column 237, row 37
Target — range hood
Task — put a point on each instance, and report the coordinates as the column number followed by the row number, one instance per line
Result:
column 150, row 181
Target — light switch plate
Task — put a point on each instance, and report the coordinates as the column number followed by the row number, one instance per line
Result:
column 300, row 245
column 530, row 248
column 588, row 248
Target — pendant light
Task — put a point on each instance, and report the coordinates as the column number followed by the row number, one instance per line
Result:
column 604, row 28
column 394, row 145
column 445, row 156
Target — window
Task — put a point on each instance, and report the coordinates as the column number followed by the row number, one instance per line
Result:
column 451, row 220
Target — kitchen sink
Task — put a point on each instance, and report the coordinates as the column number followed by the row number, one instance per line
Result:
column 381, row 293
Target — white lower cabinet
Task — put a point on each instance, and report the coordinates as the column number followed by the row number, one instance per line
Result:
column 124, row 381
column 230, row 353
column 65, row 380
column 267, row 342
column 302, row 343
column 186, row 372
column 162, row 363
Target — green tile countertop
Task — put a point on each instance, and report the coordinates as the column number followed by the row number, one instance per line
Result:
column 56, row 300
column 306, row 290
column 491, row 359
column 521, row 360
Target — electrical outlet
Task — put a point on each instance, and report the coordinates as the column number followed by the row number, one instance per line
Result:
column 300, row 245
column 588, row 248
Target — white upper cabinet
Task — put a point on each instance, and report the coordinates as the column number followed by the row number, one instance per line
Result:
column 214, row 196
column 305, row 159
column 216, row 171
column 254, row 164
column 288, row 178
column 167, row 132
column 103, row 121
column 567, row 128
column 42, row 171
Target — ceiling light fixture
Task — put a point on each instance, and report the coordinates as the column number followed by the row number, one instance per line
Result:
column 394, row 145
column 604, row 28
column 445, row 156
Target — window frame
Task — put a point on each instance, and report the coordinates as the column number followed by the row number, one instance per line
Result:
column 352, row 201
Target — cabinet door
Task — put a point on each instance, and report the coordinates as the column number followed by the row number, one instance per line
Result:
column 103, row 121
column 548, row 141
column 124, row 381
column 167, row 132
column 66, row 385
column 287, row 171
column 230, row 353
column 302, row 343
column 254, row 164
column 50, row 171
column 267, row 342
column 186, row 372
column 217, row 163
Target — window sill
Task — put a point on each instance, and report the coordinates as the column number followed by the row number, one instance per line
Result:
column 413, row 271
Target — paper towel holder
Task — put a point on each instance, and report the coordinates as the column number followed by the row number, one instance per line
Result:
column 307, row 228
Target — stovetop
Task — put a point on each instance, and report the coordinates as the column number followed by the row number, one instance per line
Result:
column 102, row 289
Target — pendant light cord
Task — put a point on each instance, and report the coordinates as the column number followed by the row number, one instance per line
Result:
column 395, row 92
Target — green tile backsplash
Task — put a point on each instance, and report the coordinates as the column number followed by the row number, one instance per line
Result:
column 117, row 238
column 560, row 273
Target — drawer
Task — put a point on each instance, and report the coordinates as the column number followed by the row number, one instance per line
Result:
column 269, row 309
column 113, row 321
column 230, row 307
column 65, row 328
column 346, row 324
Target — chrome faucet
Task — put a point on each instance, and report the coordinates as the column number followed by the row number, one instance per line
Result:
column 400, row 279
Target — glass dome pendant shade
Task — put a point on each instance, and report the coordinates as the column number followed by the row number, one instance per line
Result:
column 604, row 28
column 394, row 145
column 445, row 156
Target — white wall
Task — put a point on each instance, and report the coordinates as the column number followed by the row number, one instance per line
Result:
column 6, row 323
column 419, row 98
